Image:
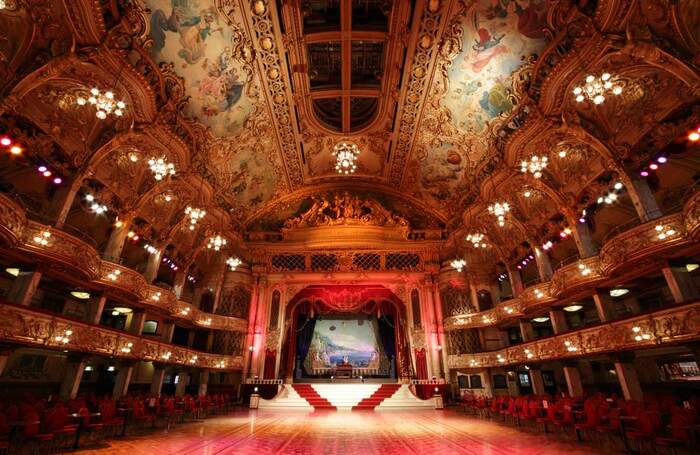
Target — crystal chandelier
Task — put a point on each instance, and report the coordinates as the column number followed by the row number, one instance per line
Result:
column 499, row 209
column 103, row 102
column 534, row 166
column 161, row 168
column 345, row 154
column 3, row 5
column 216, row 242
column 195, row 215
column 458, row 264
column 477, row 240
column 233, row 262
column 595, row 88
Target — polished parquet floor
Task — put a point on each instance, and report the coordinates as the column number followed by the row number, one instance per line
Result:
column 384, row 433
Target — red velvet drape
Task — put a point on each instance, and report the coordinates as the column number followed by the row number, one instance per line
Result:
column 270, row 360
column 421, row 364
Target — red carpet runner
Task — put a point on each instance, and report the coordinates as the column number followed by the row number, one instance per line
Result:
column 382, row 393
column 312, row 397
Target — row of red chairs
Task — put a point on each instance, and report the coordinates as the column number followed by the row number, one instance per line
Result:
column 53, row 424
column 657, row 422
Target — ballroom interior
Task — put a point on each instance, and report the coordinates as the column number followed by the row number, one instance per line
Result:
column 350, row 226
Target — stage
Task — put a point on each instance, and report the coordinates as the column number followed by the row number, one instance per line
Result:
column 382, row 433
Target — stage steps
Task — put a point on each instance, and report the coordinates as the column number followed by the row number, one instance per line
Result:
column 382, row 393
column 308, row 392
column 346, row 397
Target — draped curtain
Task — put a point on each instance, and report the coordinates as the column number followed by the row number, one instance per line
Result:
column 270, row 359
column 305, row 333
column 387, row 337
column 421, row 364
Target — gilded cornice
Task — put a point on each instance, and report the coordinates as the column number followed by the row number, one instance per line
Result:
column 35, row 328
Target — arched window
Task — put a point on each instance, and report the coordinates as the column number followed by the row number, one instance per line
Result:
column 415, row 308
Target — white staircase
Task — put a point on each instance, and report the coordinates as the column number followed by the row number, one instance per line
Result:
column 404, row 398
column 345, row 396
column 288, row 398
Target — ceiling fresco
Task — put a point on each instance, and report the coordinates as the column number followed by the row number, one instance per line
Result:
column 487, row 48
column 212, row 53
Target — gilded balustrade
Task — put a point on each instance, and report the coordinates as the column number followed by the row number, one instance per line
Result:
column 641, row 245
column 49, row 244
column 35, row 328
column 673, row 325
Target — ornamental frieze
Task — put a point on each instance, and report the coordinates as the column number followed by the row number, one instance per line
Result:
column 27, row 326
column 674, row 325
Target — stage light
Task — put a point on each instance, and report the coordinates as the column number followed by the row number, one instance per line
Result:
column 661, row 159
column 694, row 136
column 5, row 141
column 47, row 173
column 42, row 169
column 653, row 166
column 57, row 180
column 110, row 368
column 16, row 150
column 644, row 174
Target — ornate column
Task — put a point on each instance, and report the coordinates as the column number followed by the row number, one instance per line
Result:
column 152, row 266
column 680, row 283
column 604, row 305
column 258, row 355
column 179, row 281
column 558, row 319
column 123, row 379
column 63, row 199
column 544, row 267
column 250, row 336
column 627, row 375
column 573, row 379
column 183, row 380
column 73, row 374
column 168, row 331
column 95, row 307
column 584, row 242
column 431, row 333
column 516, row 282
column 526, row 331
column 157, row 379
column 203, row 383
column 138, row 318
column 537, row 381
column 117, row 239
column 642, row 198
column 24, row 287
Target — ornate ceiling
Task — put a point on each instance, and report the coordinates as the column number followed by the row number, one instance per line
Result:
column 443, row 98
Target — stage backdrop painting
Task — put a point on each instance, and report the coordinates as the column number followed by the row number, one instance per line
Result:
column 338, row 341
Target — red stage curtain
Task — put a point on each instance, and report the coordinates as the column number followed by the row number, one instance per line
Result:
column 421, row 364
column 270, row 358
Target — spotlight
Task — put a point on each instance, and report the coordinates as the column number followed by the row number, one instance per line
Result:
column 644, row 174
column 653, row 166
column 15, row 149
column 58, row 180
column 42, row 169
column 661, row 159
column 694, row 136
column 5, row 141
column 47, row 173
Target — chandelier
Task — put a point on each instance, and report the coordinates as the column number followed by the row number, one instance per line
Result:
column 595, row 88
column 534, row 166
column 458, row 264
column 477, row 240
column 195, row 215
column 233, row 262
column 345, row 154
column 499, row 209
column 103, row 102
column 3, row 5
column 216, row 242
column 161, row 168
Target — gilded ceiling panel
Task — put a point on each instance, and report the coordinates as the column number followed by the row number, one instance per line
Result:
column 488, row 49
column 212, row 52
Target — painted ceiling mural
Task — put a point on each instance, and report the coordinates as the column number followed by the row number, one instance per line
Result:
column 488, row 45
column 209, row 51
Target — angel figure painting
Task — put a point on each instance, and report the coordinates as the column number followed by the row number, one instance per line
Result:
column 193, row 36
column 499, row 35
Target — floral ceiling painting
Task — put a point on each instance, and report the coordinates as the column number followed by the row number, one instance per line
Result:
column 195, row 37
column 488, row 44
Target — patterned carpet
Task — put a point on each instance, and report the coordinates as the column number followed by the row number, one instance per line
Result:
column 381, row 433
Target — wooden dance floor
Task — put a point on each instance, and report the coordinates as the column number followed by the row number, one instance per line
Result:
column 383, row 433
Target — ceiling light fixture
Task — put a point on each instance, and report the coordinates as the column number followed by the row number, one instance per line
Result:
column 14, row 271
column 80, row 295
column 104, row 103
column 618, row 292
column 689, row 267
column 195, row 215
column 595, row 88
column 664, row 231
column 123, row 310
column 573, row 308
column 233, row 262
column 458, row 264
column 161, row 168
column 540, row 319
column 477, row 240
column 499, row 210
column 694, row 135
column 216, row 242
column 42, row 238
column 535, row 166
column 345, row 154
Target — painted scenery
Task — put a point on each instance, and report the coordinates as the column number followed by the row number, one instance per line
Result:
column 195, row 38
column 344, row 341
column 498, row 36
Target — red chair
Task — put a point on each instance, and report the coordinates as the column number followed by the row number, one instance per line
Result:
column 58, row 423
column 108, row 416
column 681, row 421
column 32, row 429
column 564, row 416
column 646, row 429
column 549, row 417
